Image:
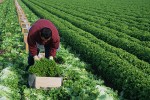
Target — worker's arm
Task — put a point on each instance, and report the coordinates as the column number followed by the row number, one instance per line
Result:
column 53, row 46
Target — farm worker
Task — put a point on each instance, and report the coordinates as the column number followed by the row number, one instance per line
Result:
column 42, row 33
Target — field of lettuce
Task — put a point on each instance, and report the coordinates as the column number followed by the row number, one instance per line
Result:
column 105, row 45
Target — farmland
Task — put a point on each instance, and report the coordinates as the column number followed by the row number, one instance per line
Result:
column 105, row 45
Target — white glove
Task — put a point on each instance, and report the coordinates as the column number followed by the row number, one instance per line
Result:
column 51, row 57
column 41, row 55
column 36, row 58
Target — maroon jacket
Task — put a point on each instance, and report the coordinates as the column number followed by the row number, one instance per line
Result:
column 34, row 37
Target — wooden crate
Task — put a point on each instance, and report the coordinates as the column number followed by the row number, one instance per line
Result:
column 25, row 24
column 44, row 82
column 25, row 37
column 23, row 20
column 22, row 17
column 27, row 47
column 20, row 12
column 24, row 30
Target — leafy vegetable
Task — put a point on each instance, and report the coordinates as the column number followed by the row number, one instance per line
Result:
column 59, row 59
column 45, row 67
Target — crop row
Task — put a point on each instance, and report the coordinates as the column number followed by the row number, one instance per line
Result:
column 145, row 67
column 103, row 20
column 136, row 22
column 101, row 23
column 125, row 13
column 11, row 44
column 74, row 78
column 140, row 51
column 122, row 54
column 120, row 73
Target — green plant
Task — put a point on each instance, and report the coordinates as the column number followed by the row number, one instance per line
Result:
column 45, row 67
column 59, row 60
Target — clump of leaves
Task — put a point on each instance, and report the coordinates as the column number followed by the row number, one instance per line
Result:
column 59, row 60
column 46, row 68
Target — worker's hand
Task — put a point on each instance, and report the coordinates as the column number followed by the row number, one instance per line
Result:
column 51, row 58
column 36, row 58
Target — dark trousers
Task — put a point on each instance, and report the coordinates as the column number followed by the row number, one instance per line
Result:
column 31, row 59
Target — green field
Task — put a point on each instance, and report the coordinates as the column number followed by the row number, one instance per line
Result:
column 104, row 43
